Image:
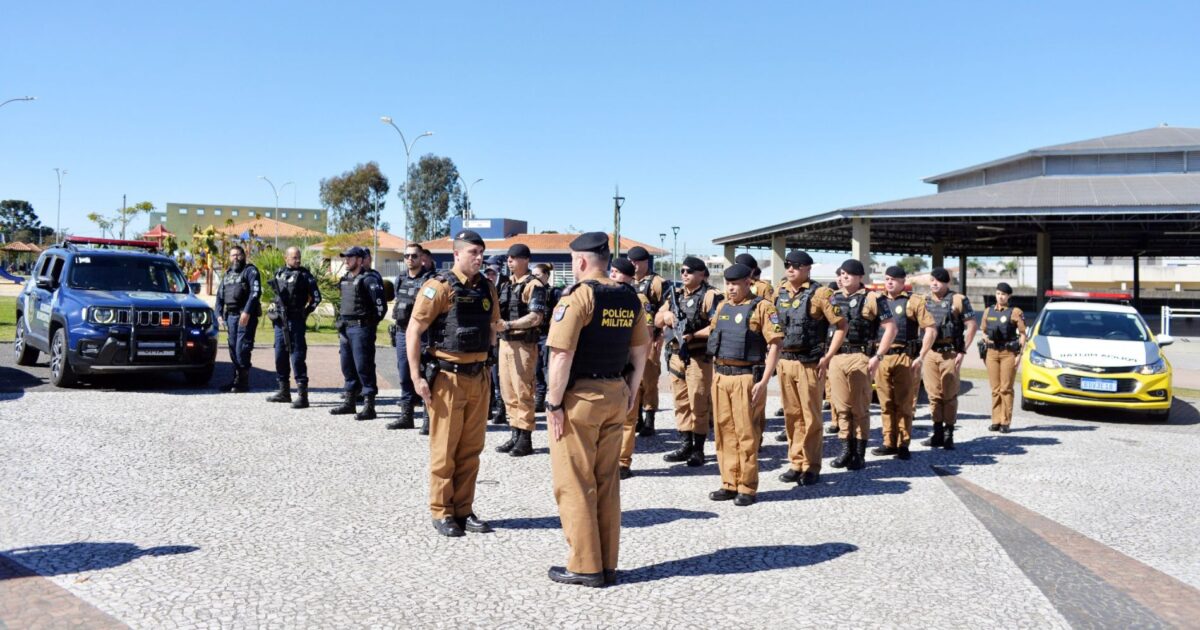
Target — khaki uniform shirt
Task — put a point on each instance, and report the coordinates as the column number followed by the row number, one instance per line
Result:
column 762, row 289
column 574, row 311
column 434, row 300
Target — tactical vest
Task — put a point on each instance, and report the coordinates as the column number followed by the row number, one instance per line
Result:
column 950, row 325
column 645, row 287
column 860, row 330
column 1001, row 329
column 553, row 294
column 732, row 337
column 356, row 302
column 692, row 308
column 292, row 287
column 235, row 289
column 514, row 308
column 603, row 346
column 907, row 329
column 802, row 333
column 467, row 326
column 407, row 289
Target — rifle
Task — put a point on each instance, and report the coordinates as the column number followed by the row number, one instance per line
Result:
column 679, row 329
column 281, row 315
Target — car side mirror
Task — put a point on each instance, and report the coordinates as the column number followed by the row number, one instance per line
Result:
column 45, row 283
column 1165, row 340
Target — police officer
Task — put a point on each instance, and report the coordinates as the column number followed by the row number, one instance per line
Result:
column 545, row 273
column 460, row 309
column 805, row 315
column 296, row 295
column 598, row 347
column 361, row 310
column 497, row 411
column 522, row 308
column 1004, row 333
column 955, row 323
column 689, row 309
column 623, row 271
column 743, row 340
column 760, row 288
column 835, row 285
column 851, row 370
column 239, row 305
column 900, row 368
column 652, row 286
column 408, row 285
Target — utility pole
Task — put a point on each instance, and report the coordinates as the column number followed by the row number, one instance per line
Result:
column 123, row 215
column 618, row 201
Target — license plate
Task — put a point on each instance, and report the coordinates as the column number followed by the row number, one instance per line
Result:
column 1098, row 384
column 167, row 353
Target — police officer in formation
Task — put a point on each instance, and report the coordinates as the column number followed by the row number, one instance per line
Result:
column 955, row 323
column 743, row 339
column 363, row 306
column 851, row 370
column 239, row 306
column 653, row 288
column 497, row 410
column 623, row 271
column 598, row 346
column 687, row 310
column 835, row 285
column 545, row 273
column 297, row 295
column 1004, row 333
column 808, row 320
column 460, row 310
column 900, row 368
column 759, row 288
column 408, row 285
column 522, row 309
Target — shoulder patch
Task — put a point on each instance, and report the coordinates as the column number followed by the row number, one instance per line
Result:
column 429, row 292
column 560, row 311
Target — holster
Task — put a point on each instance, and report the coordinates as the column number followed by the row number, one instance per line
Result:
column 983, row 348
column 429, row 369
column 392, row 334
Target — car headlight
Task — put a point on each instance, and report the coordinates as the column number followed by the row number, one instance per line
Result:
column 102, row 315
column 1158, row 367
column 1043, row 361
column 199, row 317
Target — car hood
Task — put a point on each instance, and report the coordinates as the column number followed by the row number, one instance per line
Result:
column 144, row 299
column 1095, row 352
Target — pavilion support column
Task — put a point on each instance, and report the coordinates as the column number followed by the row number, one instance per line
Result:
column 1137, row 282
column 1045, row 268
column 730, row 253
column 778, row 251
column 860, row 241
column 962, row 274
column 939, row 256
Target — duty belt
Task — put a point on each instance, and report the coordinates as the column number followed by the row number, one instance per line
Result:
column 733, row 370
column 354, row 322
column 944, row 347
column 853, row 348
column 597, row 377
column 469, row 369
column 900, row 350
column 802, row 357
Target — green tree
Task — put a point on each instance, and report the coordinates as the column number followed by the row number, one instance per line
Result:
column 975, row 266
column 1010, row 267
column 435, row 186
column 126, row 215
column 17, row 215
column 912, row 264
column 104, row 223
column 353, row 197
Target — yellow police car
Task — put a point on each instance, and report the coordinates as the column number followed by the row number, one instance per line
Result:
column 1095, row 350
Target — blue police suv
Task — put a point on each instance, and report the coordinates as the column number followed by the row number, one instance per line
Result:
column 97, row 309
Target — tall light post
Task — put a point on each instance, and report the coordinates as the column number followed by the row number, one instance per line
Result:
column 469, row 214
column 674, row 246
column 276, row 215
column 662, row 242
column 60, row 173
column 387, row 120
column 19, row 98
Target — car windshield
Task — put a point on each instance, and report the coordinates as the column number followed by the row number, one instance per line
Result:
column 1094, row 325
column 126, row 273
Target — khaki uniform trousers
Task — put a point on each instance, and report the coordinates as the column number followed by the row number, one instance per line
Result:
column 518, row 368
column 457, row 427
column 693, row 403
column 629, row 430
column 650, row 375
column 851, row 403
column 829, row 396
column 941, row 384
column 897, row 386
column 1002, row 370
column 584, row 466
column 738, row 437
column 802, row 413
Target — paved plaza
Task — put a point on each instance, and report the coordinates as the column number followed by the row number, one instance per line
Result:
column 172, row 507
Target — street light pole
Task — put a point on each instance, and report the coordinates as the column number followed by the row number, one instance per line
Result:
column 674, row 246
column 387, row 120
column 59, row 173
column 469, row 214
column 662, row 242
column 276, row 215
column 20, row 98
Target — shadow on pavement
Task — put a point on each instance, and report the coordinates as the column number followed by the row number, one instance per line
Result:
column 79, row 557
column 739, row 560
column 642, row 517
column 16, row 381
column 1183, row 413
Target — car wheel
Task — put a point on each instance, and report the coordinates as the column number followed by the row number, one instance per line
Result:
column 61, row 372
column 199, row 378
column 23, row 353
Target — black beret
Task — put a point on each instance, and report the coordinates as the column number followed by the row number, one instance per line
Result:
column 737, row 271
column 799, row 258
column 624, row 265
column 638, row 253
column 896, row 271
column 497, row 260
column 940, row 274
column 355, row 252
column 746, row 259
column 854, row 268
column 595, row 242
column 519, row 250
column 695, row 264
column 470, row 236
column 1004, row 287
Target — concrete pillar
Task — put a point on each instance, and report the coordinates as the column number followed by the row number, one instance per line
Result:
column 938, row 255
column 1045, row 268
column 1137, row 282
column 730, row 253
column 962, row 274
column 778, row 251
column 860, row 241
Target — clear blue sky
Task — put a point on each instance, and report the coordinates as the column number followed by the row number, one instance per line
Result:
column 715, row 116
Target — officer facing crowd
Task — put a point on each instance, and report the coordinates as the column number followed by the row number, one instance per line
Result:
column 362, row 308
column 651, row 286
column 1004, row 332
column 955, row 323
column 239, row 305
column 763, row 289
column 460, row 309
column 899, row 370
column 408, row 285
column 296, row 295
column 598, row 347
column 743, row 340
column 522, row 308
column 623, row 271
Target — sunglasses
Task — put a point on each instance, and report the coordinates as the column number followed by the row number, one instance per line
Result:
column 412, row 255
column 685, row 271
column 788, row 265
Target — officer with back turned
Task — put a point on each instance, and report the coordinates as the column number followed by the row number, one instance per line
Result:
column 238, row 305
column 954, row 320
column 362, row 308
column 408, row 285
column 296, row 295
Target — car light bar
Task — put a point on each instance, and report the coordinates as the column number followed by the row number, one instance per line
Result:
column 114, row 242
column 1089, row 295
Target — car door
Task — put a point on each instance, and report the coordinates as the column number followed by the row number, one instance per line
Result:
column 46, row 283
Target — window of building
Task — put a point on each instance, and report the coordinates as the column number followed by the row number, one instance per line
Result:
column 282, row 215
column 183, row 211
column 268, row 214
column 233, row 213
column 299, row 216
column 217, row 212
column 252, row 214
column 199, row 212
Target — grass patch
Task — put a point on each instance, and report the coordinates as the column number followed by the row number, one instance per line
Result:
column 8, row 317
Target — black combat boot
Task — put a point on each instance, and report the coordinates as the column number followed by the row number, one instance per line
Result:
column 781, row 436
column 637, row 429
column 884, row 449
column 301, row 401
column 939, row 436
column 243, row 382
column 791, row 476
column 524, row 445
column 902, row 453
column 684, row 451
column 512, row 441
column 405, row 421
column 368, row 410
column 501, row 416
column 283, row 395
column 697, row 456
column 347, row 406
column 647, row 424
column 424, row 423
column 779, row 412
column 858, row 449
column 862, row 449
column 948, row 442
column 231, row 385
column 832, row 429
column 847, row 455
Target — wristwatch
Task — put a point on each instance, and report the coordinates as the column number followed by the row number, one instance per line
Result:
column 552, row 406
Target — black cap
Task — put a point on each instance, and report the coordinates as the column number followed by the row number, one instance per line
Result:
column 519, row 250
column 355, row 251
column 854, row 268
column 624, row 265
column 737, row 271
column 638, row 253
column 896, row 271
column 799, row 258
column 746, row 259
column 1004, row 287
column 497, row 260
column 595, row 242
column 695, row 264
column 940, row 274
column 470, row 236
